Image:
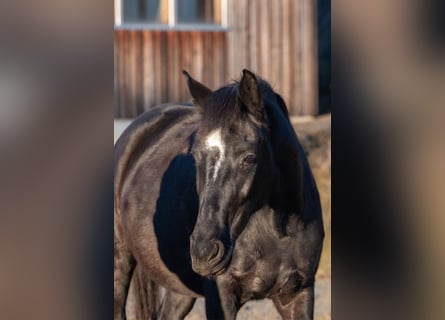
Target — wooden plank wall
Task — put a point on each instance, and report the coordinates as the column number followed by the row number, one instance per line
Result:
column 148, row 66
column 275, row 39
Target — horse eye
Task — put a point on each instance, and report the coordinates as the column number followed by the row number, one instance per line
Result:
column 249, row 159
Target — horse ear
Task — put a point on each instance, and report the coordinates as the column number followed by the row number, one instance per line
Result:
column 198, row 91
column 250, row 96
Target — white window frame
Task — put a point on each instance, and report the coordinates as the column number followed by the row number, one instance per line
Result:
column 172, row 20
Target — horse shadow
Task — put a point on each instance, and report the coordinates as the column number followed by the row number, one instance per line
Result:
column 175, row 217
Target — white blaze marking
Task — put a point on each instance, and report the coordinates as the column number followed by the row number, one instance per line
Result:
column 214, row 140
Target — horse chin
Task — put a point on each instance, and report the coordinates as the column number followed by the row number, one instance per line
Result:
column 222, row 267
column 217, row 270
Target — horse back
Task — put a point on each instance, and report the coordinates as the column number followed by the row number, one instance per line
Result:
column 155, row 194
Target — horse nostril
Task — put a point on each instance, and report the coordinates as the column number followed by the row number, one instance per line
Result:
column 214, row 252
column 217, row 251
column 207, row 251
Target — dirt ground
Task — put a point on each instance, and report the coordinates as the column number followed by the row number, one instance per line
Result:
column 265, row 310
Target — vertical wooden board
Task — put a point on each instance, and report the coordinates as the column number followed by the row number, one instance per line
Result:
column 189, row 37
column 314, row 58
column 265, row 38
column 303, row 56
column 188, row 57
column 170, row 65
column 219, row 57
column 203, row 74
column 192, row 55
column 302, row 33
column 225, row 76
column 118, row 66
column 120, row 47
column 164, row 64
column 232, row 35
column 130, row 75
column 157, row 68
column 122, row 73
column 181, row 84
column 279, row 36
column 148, row 72
column 253, row 36
column 217, row 53
column 126, row 79
column 222, row 45
column 139, row 99
column 219, row 48
column 301, row 47
column 276, row 51
column 309, row 49
column 306, row 50
column 125, row 69
column 160, row 73
column 209, row 58
column 133, row 73
column 243, row 46
column 246, row 34
column 210, row 61
column 238, row 54
column 116, row 75
column 180, row 78
column 200, row 55
column 185, row 62
column 175, row 74
column 286, row 76
column 183, row 92
column 297, row 91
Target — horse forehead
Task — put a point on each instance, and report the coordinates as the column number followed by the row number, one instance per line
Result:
column 226, row 140
column 214, row 139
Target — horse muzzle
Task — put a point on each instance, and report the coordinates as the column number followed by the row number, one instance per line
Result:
column 207, row 257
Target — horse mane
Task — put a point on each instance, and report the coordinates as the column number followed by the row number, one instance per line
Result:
column 221, row 107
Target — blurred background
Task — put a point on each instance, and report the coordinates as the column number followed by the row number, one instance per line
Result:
column 57, row 106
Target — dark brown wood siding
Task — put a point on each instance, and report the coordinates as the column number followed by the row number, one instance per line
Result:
column 148, row 66
column 275, row 39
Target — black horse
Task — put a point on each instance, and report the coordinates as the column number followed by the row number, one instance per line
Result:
column 215, row 200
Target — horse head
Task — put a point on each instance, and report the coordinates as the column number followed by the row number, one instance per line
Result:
column 234, row 166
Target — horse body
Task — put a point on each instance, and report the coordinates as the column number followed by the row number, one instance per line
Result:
column 215, row 205
column 145, row 201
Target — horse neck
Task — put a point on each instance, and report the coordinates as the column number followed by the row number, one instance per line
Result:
column 294, row 195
